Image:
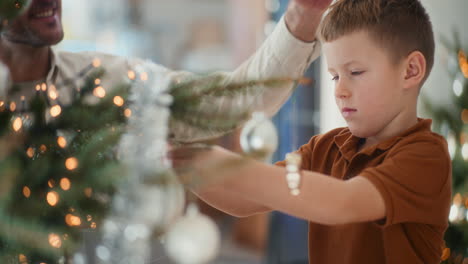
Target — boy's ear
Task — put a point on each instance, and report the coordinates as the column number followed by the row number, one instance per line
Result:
column 415, row 69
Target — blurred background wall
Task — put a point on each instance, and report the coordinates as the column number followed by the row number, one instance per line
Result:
column 208, row 35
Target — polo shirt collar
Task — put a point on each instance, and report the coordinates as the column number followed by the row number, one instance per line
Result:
column 53, row 71
column 348, row 144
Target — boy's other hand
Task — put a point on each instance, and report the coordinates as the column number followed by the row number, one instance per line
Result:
column 303, row 17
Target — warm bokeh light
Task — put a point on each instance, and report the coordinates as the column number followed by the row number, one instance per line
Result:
column 12, row 106
column 51, row 183
column 55, row 241
column 96, row 63
column 26, row 191
column 119, row 101
column 71, row 163
column 89, row 218
column 55, row 110
column 144, row 76
column 30, row 152
column 464, row 116
column 52, row 198
column 38, row 87
column 463, row 62
column 43, row 148
column 131, row 75
column 43, row 87
column 65, row 184
column 72, row 220
column 97, row 81
column 93, row 225
column 445, row 254
column 99, row 92
column 457, row 199
column 128, row 112
column 53, row 94
column 88, row 192
column 22, row 258
column 62, row 142
column 17, row 124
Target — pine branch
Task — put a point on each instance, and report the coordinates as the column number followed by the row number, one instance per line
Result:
column 191, row 101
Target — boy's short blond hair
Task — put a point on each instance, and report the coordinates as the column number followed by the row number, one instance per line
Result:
column 399, row 26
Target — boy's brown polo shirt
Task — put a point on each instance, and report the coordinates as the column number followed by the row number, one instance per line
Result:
column 412, row 172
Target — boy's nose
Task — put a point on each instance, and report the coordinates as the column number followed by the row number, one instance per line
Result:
column 341, row 91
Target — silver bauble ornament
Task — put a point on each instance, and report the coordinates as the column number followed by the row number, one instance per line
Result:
column 193, row 239
column 258, row 137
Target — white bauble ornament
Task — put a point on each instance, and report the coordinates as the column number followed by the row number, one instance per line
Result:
column 259, row 137
column 160, row 205
column 459, row 84
column 193, row 239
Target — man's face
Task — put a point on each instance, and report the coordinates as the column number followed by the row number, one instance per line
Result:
column 39, row 26
column 368, row 85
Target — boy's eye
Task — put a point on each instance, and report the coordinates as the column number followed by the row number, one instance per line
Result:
column 355, row 73
column 335, row 78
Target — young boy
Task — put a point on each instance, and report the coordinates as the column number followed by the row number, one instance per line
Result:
column 377, row 191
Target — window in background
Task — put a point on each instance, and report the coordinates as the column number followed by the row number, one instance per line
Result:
column 297, row 122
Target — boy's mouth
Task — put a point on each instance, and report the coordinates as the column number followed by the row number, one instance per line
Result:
column 346, row 111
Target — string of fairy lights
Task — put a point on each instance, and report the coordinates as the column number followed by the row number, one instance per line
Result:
column 21, row 120
column 459, row 208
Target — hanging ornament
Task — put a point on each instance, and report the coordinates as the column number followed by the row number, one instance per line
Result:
column 139, row 211
column 457, row 210
column 160, row 205
column 193, row 239
column 459, row 84
column 259, row 137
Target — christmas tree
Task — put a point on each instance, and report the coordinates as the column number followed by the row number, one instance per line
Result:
column 452, row 122
column 59, row 167
column 99, row 162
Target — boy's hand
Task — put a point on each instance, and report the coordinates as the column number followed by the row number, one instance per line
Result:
column 303, row 17
column 198, row 165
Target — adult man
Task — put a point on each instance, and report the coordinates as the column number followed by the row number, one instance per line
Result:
column 25, row 47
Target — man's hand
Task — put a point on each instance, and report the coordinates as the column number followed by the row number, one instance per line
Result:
column 314, row 4
column 303, row 17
